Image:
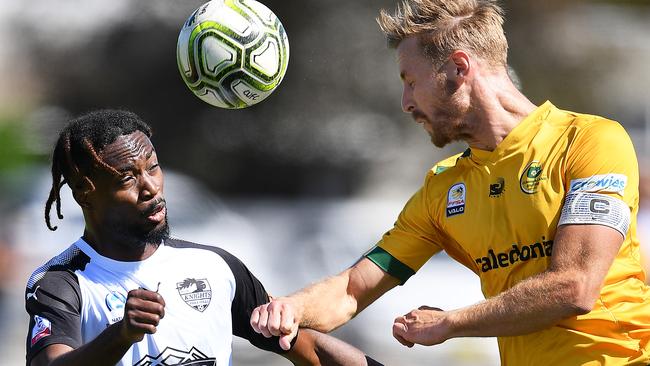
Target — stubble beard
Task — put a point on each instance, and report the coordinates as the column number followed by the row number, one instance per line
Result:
column 455, row 126
column 136, row 237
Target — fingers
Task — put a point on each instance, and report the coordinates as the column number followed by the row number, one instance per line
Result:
column 288, row 323
column 273, row 319
column 142, row 314
column 262, row 323
column 426, row 326
column 400, row 330
column 276, row 318
column 146, row 322
column 255, row 319
column 146, row 301
column 285, row 340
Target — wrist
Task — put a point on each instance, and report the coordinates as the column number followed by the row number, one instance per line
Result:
column 121, row 335
column 452, row 324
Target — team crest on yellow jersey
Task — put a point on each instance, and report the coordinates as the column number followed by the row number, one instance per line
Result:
column 531, row 177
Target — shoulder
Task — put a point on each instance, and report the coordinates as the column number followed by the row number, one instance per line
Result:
column 232, row 261
column 62, row 266
column 589, row 125
column 55, row 284
column 445, row 174
column 180, row 244
column 448, row 164
column 440, row 179
column 595, row 134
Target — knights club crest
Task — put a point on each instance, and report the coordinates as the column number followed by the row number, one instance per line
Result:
column 195, row 293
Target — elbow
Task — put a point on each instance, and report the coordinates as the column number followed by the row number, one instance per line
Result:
column 579, row 296
column 582, row 307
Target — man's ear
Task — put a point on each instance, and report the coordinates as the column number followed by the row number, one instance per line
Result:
column 81, row 189
column 460, row 65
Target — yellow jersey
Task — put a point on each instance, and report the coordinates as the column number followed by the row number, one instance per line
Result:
column 496, row 212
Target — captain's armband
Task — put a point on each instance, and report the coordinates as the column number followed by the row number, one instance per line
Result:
column 595, row 209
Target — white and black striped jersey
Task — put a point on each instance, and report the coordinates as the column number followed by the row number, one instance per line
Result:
column 209, row 296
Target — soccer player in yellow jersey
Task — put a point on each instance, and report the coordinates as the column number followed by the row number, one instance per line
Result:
column 542, row 207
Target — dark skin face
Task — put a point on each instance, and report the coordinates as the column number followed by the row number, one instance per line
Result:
column 126, row 215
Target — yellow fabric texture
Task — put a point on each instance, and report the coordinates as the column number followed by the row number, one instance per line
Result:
column 511, row 204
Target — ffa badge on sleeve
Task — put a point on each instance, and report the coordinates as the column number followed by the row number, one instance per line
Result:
column 42, row 328
column 456, row 199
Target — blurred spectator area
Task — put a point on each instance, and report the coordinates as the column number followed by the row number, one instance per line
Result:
column 334, row 127
column 315, row 173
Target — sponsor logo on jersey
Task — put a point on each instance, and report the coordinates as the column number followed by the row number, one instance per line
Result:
column 170, row 356
column 518, row 253
column 115, row 301
column 195, row 293
column 456, row 199
column 531, row 177
column 42, row 328
column 32, row 295
column 496, row 189
column 614, row 183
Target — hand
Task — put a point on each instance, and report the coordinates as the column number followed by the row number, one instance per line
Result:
column 277, row 318
column 142, row 313
column 426, row 326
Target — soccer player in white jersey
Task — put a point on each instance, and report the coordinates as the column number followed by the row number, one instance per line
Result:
column 125, row 293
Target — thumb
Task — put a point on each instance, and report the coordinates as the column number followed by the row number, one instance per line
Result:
column 399, row 328
column 399, row 331
column 285, row 339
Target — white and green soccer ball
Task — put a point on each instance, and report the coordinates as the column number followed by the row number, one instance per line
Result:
column 232, row 53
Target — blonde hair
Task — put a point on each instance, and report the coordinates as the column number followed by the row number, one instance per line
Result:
column 443, row 26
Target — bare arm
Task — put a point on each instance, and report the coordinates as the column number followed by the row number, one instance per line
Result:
column 325, row 305
column 314, row 348
column 582, row 255
column 143, row 311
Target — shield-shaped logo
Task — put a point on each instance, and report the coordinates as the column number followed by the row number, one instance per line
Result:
column 531, row 177
column 456, row 199
column 195, row 293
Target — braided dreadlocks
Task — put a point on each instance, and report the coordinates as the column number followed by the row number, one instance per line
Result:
column 76, row 154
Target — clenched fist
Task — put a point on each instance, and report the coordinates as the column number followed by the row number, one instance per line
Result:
column 142, row 313
column 426, row 326
column 277, row 318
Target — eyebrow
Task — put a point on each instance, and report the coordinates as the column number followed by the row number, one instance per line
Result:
column 129, row 166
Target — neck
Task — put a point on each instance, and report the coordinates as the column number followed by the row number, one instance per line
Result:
column 118, row 248
column 499, row 107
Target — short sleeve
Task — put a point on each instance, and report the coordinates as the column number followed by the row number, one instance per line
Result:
column 249, row 294
column 414, row 239
column 53, row 303
column 601, row 177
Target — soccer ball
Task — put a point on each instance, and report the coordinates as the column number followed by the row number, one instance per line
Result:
column 232, row 53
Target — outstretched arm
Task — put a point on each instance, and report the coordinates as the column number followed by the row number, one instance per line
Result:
column 582, row 255
column 325, row 305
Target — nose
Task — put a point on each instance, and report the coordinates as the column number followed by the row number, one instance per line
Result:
column 150, row 187
column 407, row 99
